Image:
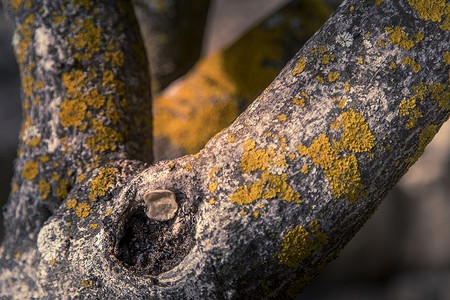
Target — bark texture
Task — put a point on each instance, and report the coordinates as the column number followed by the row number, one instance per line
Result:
column 271, row 199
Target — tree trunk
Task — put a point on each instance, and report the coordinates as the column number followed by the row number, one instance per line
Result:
column 263, row 207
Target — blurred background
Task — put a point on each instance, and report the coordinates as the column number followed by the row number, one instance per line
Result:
column 403, row 251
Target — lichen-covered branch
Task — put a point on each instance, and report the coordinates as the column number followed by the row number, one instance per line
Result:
column 271, row 199
column 221, row 85
column 85, row 99
column 173, row 32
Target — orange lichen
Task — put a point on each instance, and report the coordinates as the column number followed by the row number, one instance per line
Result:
column 299, row 67
column 93, row 226
column 305, row 169
column 212, row 187
column 82, row 210
column 447, row 57
column 62, row 189
column 256, row 214
column 430, row 9
column 88, row 38
column 27, row 84
column 72, row 112
column 408, row 108
column 424, row 138
column 253, row 160
column 440, row 93
column 71, row 204
column 30, row 170
column 105, row 138
column 398, row 37
column 282, row 118
column 332, row 76
column 268, row 187
column 102, row 183
column 320, row 79
column 342, row 172
column 44, row 188
column 301, row 99
column 212, row 201
column 300, row 242
column 409, row 62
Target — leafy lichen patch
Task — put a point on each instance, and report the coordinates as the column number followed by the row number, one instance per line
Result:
column 399, row 37
column 300, row 242
column 271, row 184
column 341, row 168
column 102, row 183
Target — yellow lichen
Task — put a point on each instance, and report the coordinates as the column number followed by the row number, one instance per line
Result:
column 256, row 214
column 344, row 178
column 30, row 170
column 342, row 172
column 424, row 138
column 409, row 62
column 16, row 4
column 393, row 65
column 34, row 141
column 398, row 37
column 86, row 283
column 268, row 187
column 356, row 136
column 440, row 93
column 105, row 138
column 305, row 169
column 320, row 79
column 332, row 76
column 93, row 226
column 82, row 210
column 429, row 9
column 87, row 38
column 408, row 108
column 299, row 67
column 300, row 242
column 212, row 201
column 44, row 188
column 447, row 57
column 74, row 82
column 301, row 99
column 253, row 159
column 94, row 99
column 212, row 187
column 72, row 112
column 62, row 189
column 117, row 59
column 282, row 118
column 347, row 86
column 102, row 183
column 71, row 204
column 109, row 212
column 231, row 138
column 27, row 84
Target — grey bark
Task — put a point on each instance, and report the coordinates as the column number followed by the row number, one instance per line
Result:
column 252, row 220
